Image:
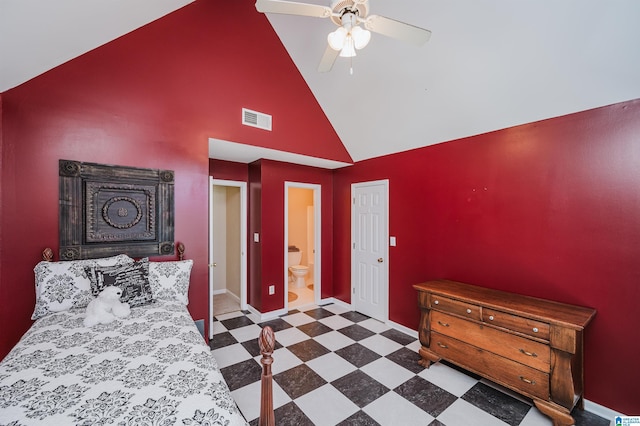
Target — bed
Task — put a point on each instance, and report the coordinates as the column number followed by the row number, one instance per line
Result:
column 150, row 368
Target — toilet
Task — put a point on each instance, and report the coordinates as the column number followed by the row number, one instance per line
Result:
column 297, row 270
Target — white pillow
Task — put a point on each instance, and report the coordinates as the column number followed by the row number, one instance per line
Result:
column 170, row 280
column 61, row 286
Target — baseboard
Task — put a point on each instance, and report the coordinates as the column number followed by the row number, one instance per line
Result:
column 267, row 315
column 602, row 411
column 335, row 301
column 400, row 327
column 233, row 296
column 225, row 291
column 275, row 314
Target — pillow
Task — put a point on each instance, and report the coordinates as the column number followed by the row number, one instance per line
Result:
column 61, row 286
column 132, row 278
column 170, row 280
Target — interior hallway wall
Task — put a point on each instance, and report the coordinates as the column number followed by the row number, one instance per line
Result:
column 226, row 239
column 233, row 240
column 220, row 238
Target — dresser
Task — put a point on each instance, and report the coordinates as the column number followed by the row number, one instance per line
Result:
column 532, row 346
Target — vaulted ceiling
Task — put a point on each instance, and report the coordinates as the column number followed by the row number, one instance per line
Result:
column 489, row 65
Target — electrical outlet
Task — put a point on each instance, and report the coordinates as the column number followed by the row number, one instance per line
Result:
column 272, row 290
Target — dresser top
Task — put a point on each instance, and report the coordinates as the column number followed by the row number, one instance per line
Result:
column 540, row 309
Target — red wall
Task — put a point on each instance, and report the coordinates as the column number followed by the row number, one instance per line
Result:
column 229, row 170
column 254, row 280
column 267, row 260
column 549, row 209
column 150, row 99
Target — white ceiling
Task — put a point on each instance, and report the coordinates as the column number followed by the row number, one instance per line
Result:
column 38, row 35
column 489, row 65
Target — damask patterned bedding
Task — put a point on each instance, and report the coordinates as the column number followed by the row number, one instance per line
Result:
column 151, row 368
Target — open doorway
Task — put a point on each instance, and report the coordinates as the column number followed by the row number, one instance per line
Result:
column 227, row 247
column 302, row 244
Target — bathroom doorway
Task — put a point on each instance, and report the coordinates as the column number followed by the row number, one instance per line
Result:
column 227, row 247
column 302, row 244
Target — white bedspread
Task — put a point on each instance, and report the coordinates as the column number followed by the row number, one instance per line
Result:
column 151, row 368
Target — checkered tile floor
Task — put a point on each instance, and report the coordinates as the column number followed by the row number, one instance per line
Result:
column 337, row 367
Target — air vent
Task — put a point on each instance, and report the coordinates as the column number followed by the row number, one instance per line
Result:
column 256, row 119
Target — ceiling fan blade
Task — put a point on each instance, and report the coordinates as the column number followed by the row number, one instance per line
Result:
column 396, row 29
column 328, row 58
column 293, row 8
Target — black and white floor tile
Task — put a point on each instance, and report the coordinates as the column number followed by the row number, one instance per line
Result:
column 337, row 367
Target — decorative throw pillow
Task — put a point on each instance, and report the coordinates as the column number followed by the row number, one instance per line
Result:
column 170, row 280
column 61, row 286
column 132, row 278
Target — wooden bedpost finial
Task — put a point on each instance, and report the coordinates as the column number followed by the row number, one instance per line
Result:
column 47, row 255
column 180, row 249
column 267, row 343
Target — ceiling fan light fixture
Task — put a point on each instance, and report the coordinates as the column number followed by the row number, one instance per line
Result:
column 348, row 51
column 348, row 15
column 337, row 38
column 360, row 37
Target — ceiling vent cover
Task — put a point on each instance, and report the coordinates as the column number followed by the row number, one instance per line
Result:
column 256, row 119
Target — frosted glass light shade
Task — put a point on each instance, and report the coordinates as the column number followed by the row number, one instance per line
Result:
column 337, row 38
column 360, row 37
column 348, row 50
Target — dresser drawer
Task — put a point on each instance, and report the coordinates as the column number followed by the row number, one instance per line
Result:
column 525, row 351
column 457, row 307
column 516, row 323
column 527, row 380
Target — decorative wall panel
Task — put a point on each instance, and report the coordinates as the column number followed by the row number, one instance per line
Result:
column 107, row 210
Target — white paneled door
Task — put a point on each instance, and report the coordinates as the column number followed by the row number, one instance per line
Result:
column 369, row 250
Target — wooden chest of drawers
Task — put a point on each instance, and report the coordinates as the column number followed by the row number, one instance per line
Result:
column 532, row 346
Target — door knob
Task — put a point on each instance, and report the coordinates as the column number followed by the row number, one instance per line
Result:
column 380, row 260
column 213, row 265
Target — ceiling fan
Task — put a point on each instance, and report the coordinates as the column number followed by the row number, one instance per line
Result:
column 347, row 15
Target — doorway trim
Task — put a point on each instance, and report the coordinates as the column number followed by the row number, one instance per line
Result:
column 385, row 238
column 243, row 243
column 317, row 239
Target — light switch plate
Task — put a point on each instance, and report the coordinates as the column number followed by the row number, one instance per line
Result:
column 256, row 237
column 392, row 241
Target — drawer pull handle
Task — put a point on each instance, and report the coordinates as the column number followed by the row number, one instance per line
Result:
column 444, row 324
column 435, row 302
column 535, row 329
column 468, row 311
column 533, row 354
column 490, row 317
column 529, row 381
column 442, row 345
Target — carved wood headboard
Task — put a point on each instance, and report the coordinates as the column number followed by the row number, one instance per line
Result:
column 47, row 254
column 106, row 210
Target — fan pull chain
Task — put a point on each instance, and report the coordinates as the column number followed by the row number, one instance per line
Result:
column 351, row 65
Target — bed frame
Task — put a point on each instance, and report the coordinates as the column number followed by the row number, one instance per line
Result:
column 267, row 343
